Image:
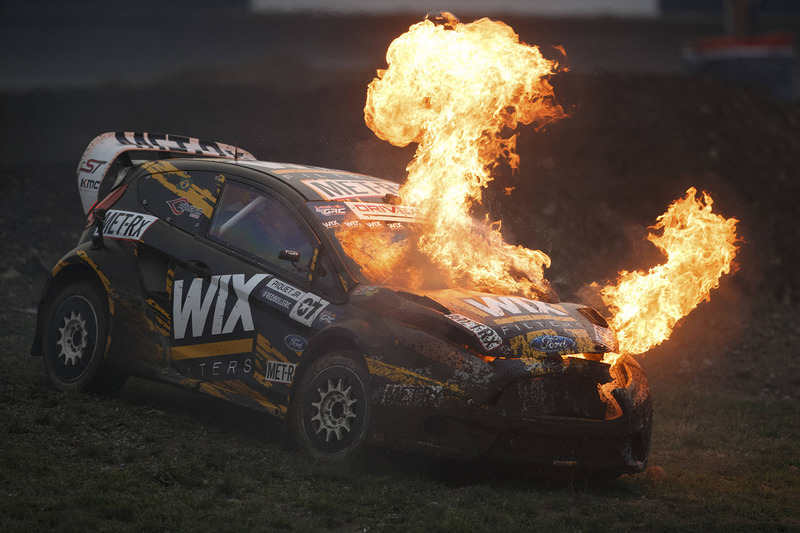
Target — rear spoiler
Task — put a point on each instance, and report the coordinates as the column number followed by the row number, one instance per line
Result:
column 111, row 154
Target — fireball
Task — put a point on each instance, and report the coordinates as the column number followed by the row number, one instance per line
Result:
column 457, row 90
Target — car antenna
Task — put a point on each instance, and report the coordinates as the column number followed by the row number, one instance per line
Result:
column 236, row 152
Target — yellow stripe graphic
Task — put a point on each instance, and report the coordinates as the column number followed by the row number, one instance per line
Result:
column 212, row 349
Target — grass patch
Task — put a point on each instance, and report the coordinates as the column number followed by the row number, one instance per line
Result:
column 156, row 458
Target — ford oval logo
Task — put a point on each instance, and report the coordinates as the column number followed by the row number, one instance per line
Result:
column 295, row 342
column 552, row 343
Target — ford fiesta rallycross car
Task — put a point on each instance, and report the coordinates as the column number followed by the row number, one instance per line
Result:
column 203, row 267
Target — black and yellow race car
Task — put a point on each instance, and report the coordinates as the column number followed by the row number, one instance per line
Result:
column 206, row 268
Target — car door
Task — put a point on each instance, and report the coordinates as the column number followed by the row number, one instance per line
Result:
column 241, row 325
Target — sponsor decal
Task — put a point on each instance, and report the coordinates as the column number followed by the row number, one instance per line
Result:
column 552, row 343
column 487, row 336
column 231, row 368
column 352, row 223
column 374, row 224
column 89, row 184
column 365, row 290
column 279, row 372
column 276, row 299
column 229, row 296
column 91, row 165
column 327, row 317
column 385, row 212
column 126, row 225
column 533, row 325
column 412, row 395
column 180, row 206
column 606, row 336
column 302, row 306
column 498, row 306
column 295, row 343
column 330, row 224
column 330, row 210
column 307, row 309
column 175, row 143
column 331, row 189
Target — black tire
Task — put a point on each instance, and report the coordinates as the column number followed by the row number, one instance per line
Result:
column 330, row 413
column 75, row 336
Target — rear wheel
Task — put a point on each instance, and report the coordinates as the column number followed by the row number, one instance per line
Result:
column 75, row 338
column 330, row 414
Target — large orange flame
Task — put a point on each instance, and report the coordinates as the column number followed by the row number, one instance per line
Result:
column 456, row 90
column 699, row 246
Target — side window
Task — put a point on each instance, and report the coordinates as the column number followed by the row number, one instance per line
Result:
column 260, row 226
column 184, row 199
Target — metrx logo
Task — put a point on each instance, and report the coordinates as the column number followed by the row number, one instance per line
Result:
column 196, row 308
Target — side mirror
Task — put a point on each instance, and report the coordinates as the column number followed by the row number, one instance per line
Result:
column 289, row 255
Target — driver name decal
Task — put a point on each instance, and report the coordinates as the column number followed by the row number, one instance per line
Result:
column 302, row 306
column 224, row 302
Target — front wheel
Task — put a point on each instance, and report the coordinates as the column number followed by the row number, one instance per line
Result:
column 76, row 332
column 330, row 413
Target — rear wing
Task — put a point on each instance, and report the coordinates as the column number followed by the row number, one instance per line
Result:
column 110, row 155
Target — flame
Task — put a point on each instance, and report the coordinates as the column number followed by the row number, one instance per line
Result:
column 700, row 247
column 457, row 90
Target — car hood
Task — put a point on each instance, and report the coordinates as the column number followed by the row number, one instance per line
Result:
column 495, row 325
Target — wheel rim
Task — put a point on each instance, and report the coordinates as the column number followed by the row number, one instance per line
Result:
column 75, row 338
column 334, row 413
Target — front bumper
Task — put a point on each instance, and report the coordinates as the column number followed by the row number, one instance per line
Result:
column 542, row 421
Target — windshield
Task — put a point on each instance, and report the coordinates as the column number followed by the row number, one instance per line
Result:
column 377, row 242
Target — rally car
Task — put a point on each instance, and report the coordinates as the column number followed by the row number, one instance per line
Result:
column 204, row 267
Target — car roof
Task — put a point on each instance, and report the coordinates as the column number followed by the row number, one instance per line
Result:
column 321, row 184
